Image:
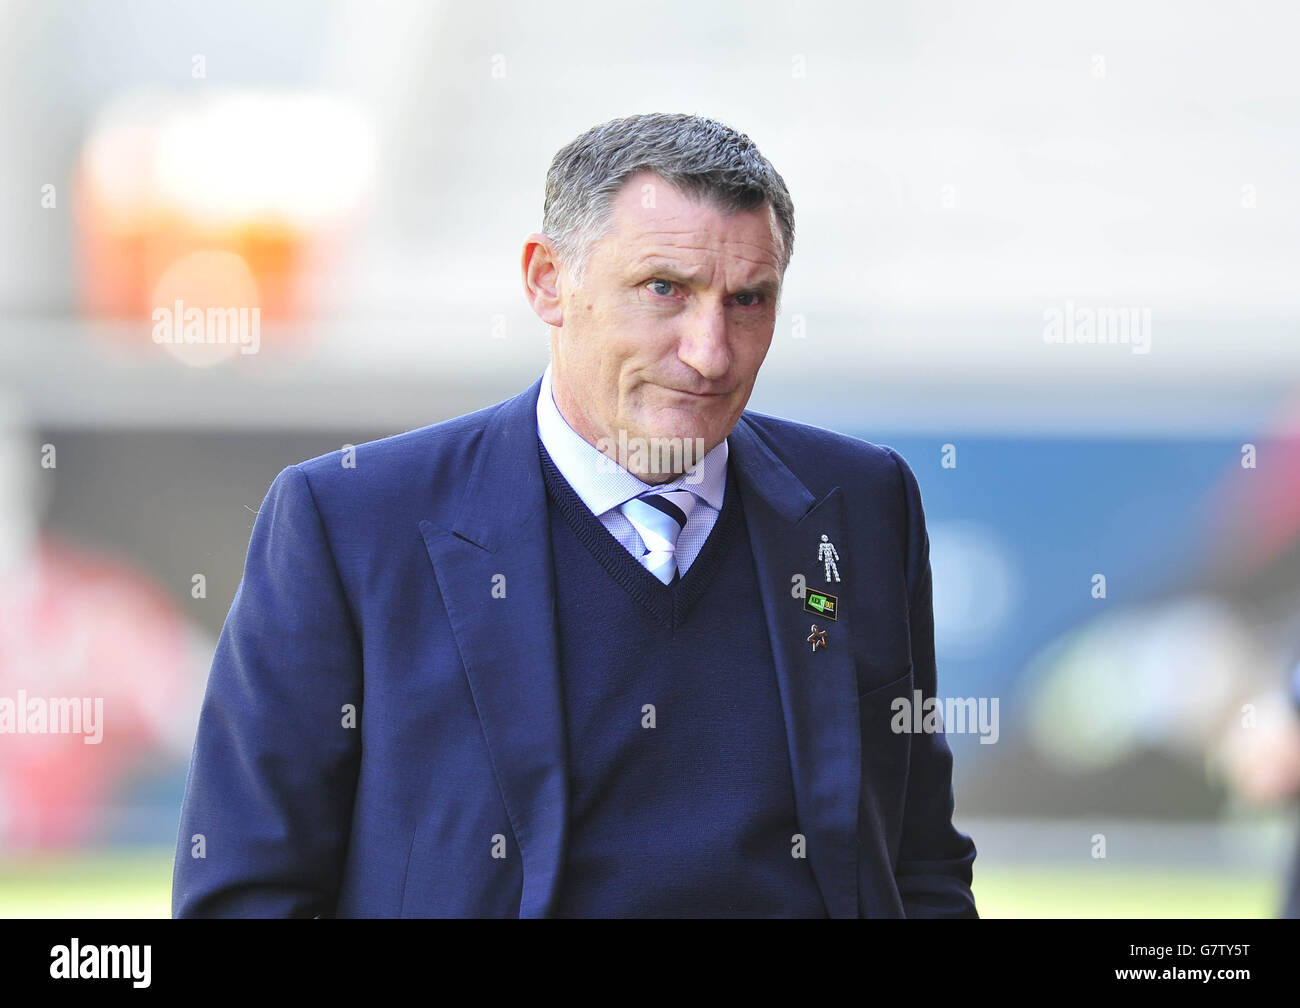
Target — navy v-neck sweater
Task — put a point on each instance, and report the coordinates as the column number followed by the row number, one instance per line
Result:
column 682, row 802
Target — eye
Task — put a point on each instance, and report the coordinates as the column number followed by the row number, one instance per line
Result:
column 666, row 283
column 753, row 299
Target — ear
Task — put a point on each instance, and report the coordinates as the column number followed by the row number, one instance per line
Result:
column 541, row 269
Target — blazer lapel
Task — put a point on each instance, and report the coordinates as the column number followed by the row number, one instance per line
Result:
column 500, row 540
column 818, row 690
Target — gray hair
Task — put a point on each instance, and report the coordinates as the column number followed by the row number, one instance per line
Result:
column 702, row 158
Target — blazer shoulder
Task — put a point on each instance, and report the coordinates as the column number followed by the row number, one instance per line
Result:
column 409, row 466
column 803, row 446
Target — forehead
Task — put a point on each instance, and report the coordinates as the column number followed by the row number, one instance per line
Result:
column 651, row 215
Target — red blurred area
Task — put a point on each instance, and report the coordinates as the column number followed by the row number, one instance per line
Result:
column 76, row 625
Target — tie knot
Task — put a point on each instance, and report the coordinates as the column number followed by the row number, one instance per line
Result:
column 659, row 517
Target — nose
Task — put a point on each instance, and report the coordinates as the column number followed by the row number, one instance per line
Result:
column 704, row 344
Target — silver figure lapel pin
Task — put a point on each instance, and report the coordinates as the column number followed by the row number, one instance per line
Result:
column 817, row 638
column 827, row 555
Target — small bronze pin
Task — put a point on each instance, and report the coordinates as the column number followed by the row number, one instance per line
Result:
column 817, row 638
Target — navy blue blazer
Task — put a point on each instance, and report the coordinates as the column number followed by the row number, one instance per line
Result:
column 382, row 732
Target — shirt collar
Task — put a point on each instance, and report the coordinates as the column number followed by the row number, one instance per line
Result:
column 603, row 486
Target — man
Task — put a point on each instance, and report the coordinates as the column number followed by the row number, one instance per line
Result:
column 529, row 662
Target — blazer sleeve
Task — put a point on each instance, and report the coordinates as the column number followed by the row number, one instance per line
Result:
column 268, row 797
column 934, row 862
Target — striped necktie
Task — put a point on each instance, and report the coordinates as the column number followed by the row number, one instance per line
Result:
column 660, row 518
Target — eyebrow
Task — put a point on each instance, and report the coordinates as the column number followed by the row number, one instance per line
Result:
column 667, row 270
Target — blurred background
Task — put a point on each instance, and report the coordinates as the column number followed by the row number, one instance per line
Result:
column 1047, row 252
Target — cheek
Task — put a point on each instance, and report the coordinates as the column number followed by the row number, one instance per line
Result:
column 749, row 348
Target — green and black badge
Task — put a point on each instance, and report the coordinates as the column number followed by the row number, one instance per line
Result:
column 821, row 603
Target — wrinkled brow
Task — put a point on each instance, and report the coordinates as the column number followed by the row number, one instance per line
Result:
column 669, row 270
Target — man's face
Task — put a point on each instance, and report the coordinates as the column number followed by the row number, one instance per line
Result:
column 665, row 336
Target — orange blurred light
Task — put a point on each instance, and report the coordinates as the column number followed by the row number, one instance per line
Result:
column 273, row 180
